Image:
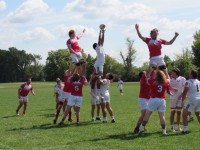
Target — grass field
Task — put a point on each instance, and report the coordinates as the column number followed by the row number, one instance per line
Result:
column 36, row 131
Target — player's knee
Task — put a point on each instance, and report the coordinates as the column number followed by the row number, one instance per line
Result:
column 163, row 67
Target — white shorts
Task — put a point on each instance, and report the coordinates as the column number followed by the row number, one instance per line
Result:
column 94, row 100
column 66, row 95
column 106, row 98
column 75, row 100
column 61, row 99
column 143, row 102
column 98, row 67
column 157, row 60
column 23, row 99
column 75, row 58
column 175, row 103
column 157, row 104
column 193, row 106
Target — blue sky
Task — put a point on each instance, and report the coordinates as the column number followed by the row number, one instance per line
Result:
column 39, row 26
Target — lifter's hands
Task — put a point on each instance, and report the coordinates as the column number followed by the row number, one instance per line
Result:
column 176, row 34
column 136, row 26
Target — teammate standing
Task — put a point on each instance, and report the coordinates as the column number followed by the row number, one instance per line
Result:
column 159, row 87
column 105, row 97
column 143, row 98
column 120, row 86
column 75, row 52
column 192, row 90
column 76, row 96
column 23, row 92
column 55, row 92
column 177, row 84
column 155, row 45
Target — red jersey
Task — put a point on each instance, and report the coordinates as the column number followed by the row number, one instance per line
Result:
column 158, row 90
column 25, row 89
column 74, row 44
column 154, row 46
column 67, row 82
column 144, row 88
column 77, row 87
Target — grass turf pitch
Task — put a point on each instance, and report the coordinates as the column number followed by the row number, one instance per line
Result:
column 36, row 131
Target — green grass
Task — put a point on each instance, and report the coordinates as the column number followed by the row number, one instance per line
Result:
column 36, row 131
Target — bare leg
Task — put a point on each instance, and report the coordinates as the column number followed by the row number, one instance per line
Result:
column 172, row 114
column 98, row 109
column 103, row 108
column 198, row 116
column 137, row 128
column 25, row 106
column 58, row 112
column 145, row 120
column 178, row 119
column 108, row 107
column 77, row 115
column 92, row 111
column 66, row 113
column 19, row 106
column 185, row 122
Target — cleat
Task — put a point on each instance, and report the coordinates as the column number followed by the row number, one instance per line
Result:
column 185, row 132
column 54, row 121
column 172, row 129
column 23, row 114
column 179, row 129
column 70, row 120
column 113, row 121
column 164, row 133
column 17, row 113
column 61, row 123
column 78, row 123
column 136, row 130
column 105, row 121
column 92, row 120
column 98, row 118
column 142, row 129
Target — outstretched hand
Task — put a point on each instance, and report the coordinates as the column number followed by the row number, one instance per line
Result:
column 83, row 30
column 136, row 26
column 176, row 34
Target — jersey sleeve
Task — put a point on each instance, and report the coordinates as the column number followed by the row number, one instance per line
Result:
column 187, row 84
column 147, row 40
column 68, row 42
column 163, row 41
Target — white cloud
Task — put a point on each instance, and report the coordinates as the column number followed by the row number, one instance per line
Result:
column 27, row 11
column 63, row 30
column 2, row 5
column 38, row 34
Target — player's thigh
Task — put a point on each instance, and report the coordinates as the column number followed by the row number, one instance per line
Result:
column 153, row 62
column 160, row 61
column 143, row 103
column 78, row 101
column 74, row 58
column 162, row 106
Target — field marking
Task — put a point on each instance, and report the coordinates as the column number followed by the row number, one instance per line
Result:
column 6, row 146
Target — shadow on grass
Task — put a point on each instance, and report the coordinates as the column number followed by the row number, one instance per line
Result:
column 11, row 116
column 52, row 126
column 48, row 115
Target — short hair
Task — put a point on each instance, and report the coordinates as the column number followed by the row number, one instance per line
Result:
column 94, row 45
column 177, row 71
column 194, row 74
column 141, row 74
column 75, row 77
column 110, row 76
column 71, row 32
column 153, row 30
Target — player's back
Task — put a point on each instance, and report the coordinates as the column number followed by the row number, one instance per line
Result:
column 77, row 87
column 194, row 89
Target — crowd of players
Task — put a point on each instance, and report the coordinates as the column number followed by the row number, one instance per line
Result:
column 154, row 84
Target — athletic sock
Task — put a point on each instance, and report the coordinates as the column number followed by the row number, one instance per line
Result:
column 104, row 118
column 112, row 117
column 185, row 128
column 142, row 128
column 163, row 126
column 172, row 126
column 57, row 114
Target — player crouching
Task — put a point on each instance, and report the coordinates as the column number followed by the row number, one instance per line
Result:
column 76, row 96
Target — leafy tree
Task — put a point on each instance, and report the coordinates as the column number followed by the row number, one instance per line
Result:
column 196, row 49
column 129, row 58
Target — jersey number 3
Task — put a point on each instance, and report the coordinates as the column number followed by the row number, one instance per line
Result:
column 160, row 88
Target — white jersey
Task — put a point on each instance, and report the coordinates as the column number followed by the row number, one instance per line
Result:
column 59, row 90
column 178, row 84
column 100, row 54
column 194, row 89
column 120, row 84
column 55, row 88
column 104, row 88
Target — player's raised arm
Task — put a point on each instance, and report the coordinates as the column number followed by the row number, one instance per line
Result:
column 138, row 32
column 79, row 36
column 172, row 40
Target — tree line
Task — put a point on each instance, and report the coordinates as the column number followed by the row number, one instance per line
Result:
column 17, row 65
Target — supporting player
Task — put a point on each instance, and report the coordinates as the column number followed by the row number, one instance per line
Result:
column 143, row 98
column 155, row 45
column 75, row 52
column 23, row 92
column 192, row 90
column 120, row 86
column 95, row 101
column 177, row 84
column 105, row 97
column 76, row 96
column 59, row 91
column 159, row 87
